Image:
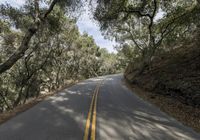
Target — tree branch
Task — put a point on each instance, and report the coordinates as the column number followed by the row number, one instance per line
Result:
column 50, row 8
column 152, row 39
column 132, row 37
column 37, row 11
column 25, row 42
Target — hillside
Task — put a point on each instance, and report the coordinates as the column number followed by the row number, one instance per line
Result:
column 174, row 79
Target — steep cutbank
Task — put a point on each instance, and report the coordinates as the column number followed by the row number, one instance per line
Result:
column 176, row 75
column 173, row 83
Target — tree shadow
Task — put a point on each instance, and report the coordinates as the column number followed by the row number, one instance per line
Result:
column 59, row 117
column 121, row 115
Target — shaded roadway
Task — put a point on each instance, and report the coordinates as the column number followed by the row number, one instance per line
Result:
column 121, row 115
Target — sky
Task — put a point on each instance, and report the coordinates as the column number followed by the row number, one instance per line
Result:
column 86, row 24
column 13, row 2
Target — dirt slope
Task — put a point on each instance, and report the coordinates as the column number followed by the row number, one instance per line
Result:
column 176, row 74
column 173, row 83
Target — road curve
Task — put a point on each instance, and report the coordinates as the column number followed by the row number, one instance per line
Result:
column 119, row 115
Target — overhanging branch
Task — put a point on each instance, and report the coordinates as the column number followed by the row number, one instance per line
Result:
column 19, row 53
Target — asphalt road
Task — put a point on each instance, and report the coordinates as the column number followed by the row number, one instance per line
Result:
column 118, row 115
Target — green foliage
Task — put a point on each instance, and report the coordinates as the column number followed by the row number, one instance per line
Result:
column 57, row 54
column 142, row 36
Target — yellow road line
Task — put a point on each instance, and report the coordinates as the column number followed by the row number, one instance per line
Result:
column 92, row 115
column 93, row 130
column 87, row 127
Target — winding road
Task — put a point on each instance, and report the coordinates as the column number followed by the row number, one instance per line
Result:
column 100, row 108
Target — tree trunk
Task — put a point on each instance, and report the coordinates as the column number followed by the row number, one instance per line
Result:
column 17, row 101
column 58, row 78
column 145, row 60
column 4, row 100
column 20, row 51
column 26, row 94
column 25, row 42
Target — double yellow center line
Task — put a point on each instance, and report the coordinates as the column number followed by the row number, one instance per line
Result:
column 90, row 128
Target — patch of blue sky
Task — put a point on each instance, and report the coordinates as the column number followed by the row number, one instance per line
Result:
column 85, row 24
column 88, row 25
column 16, row 3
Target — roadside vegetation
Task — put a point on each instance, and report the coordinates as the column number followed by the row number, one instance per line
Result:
column 160, row 41
column 43, row 50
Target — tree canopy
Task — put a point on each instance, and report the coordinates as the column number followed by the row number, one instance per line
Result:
column 136, row 25
column 42, row 50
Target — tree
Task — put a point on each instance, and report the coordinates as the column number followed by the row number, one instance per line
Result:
column 57, row 54
column 38, row 22
column 134, row 23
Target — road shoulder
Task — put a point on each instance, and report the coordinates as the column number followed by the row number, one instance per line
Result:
column 7, row 115
column 187, row 115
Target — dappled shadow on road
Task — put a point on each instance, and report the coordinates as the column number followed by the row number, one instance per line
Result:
column 138, row 127
column 59, row 117
column 123, row 116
